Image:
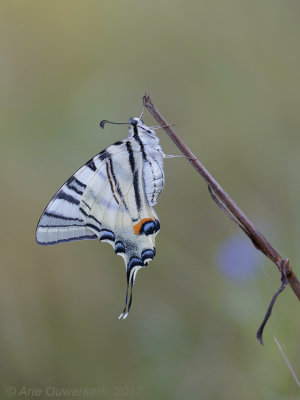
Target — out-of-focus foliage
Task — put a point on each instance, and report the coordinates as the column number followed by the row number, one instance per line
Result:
column 228, row 74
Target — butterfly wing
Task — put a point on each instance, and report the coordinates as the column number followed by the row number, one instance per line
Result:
column 106, row 199
column 61, row 221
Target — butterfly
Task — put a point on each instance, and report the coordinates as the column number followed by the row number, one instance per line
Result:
column 111, row 198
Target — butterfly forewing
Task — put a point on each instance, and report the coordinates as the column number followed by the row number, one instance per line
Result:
column 61, row 220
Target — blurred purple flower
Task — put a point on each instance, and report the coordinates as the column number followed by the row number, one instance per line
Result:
column 237, row 259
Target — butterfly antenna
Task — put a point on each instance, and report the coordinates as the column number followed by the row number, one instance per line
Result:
column 105, row 121
column 142, row 113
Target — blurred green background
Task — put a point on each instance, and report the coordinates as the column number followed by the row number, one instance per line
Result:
column 228, row 74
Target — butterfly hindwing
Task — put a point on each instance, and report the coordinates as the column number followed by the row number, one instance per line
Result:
column 114, row 205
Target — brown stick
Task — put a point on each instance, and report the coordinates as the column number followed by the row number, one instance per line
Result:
column 222, row 199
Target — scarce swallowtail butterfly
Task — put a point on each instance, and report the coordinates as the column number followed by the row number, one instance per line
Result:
column 111, row 198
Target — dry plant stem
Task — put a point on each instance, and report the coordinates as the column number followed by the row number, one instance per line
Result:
column 222, row 199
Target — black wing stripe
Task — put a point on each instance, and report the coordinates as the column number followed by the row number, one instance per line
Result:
column 78, row 182
column 76, row 185
column 89, row 225
column 91, row 165
column 138, row 139
column 85, row 237
column 76, row 190
column 86, row 204
column 131, row 157
column 109, row 176
column 136, row 190
column 95, row 219
column 135, row 173
column 56, row 216
column 118, row 143
column 64, row 196
column 83, row 212
column 117, row 185
column 103, row 155
column 61, row 226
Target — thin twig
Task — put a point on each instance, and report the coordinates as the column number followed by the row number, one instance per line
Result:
column 260, row 330
column 222, row 199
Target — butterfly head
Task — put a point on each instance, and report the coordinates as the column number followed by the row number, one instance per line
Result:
column 137, row 127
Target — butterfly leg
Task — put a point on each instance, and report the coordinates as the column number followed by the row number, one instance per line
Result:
column 177, row 156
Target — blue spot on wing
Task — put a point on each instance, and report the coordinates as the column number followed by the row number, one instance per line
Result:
column 148, row 254
column 105, row 234
column 119, row 247
column 150, row 227
column 134, row 262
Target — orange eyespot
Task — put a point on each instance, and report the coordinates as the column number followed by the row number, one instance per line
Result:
column 137, row 227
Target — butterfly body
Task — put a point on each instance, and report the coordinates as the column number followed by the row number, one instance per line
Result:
column 111, row 198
